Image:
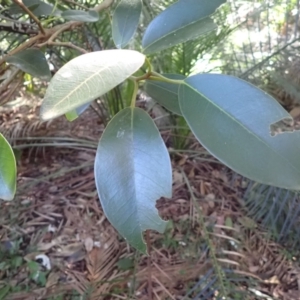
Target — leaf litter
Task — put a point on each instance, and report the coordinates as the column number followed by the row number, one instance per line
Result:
column 56, row 214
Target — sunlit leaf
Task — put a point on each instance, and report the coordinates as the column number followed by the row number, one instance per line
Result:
column 184, row 20
column 232, row 118
column 125, row 21
column 166, row 94
column 80, row 15
column 75, row 113
column 132, row 171
column 7, row 170
column 86, row 77
column 31, row 61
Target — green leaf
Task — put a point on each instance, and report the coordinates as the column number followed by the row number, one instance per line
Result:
column 31, row 61
column 132, row 171
column 166, row 94
column 38, row 7
column 74, row 114
column 7, row 170
column 183, row 21
column 232, row 119
column 80, row 15
column 125, row 21
column 125, row 264
column 4, row 291
column 86, row 77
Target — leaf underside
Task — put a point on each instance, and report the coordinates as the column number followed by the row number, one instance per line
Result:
column 132, row 171
column 231, row 118
column 87, row 77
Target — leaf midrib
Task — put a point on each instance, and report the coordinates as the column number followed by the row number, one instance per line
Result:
column 243, row 126
column 177, row 30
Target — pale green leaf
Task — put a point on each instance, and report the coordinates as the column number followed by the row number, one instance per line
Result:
column 7, row 170
column 132, row 171
column 183, row 21
column 31, row 61
column 125, row 21
column 80, row 15
column 86, row 77
column 165, row 93
column 75, row 113
column 231, row 118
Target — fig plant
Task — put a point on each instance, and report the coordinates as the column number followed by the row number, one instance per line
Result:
column 230, row 117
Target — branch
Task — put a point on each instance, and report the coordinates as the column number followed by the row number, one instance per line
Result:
column 29, row 12
column 104, row 5
column 67, row 44
column 4, row 85
column 51, row 34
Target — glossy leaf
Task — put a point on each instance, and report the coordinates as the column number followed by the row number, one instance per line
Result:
column 80, row 15
column 231, row 118
column 86, row 77
column 38, row 7
column 31, row 61
column 184, row 20
column 132, row 171
column 166, row 94
column 125, row 21
column 7, row 170
column 74, row 114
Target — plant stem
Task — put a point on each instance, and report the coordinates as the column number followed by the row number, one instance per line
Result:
column 29, row 12
column 159, row 77
column 133, row 99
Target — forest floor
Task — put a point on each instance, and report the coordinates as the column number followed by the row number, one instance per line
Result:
column 57, row 244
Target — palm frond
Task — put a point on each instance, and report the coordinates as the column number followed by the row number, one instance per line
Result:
column 276, row 209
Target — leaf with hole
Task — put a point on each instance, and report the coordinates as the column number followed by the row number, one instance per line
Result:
column 86, row 77
column 232, row 119
column 132, row 171
column 183, row 21
column 125, row 21
column 165, row 93
column 31, row 61
column 8, row 170
column 80, row 15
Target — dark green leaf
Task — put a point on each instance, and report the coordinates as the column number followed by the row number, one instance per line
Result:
column 16, row 261
column 86, row 77
column 4, row 291
column 31, row 61
column 132, row 171
column 125, row 264
column 125, row 21
column 7, row 170
column 166, row 94
column 33, row 266
column 185, row 20
column 38, row 7
column 232, row 119
column 80, row 15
